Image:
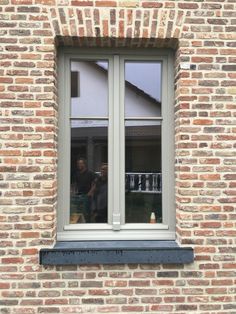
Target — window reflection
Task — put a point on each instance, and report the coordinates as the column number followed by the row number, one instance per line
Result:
column 142, row 89
column 89, row 171
column 89, row 89
column 89, row 103
column 143, row 171
column 143, row 179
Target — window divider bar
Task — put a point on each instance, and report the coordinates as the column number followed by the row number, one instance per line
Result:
column 117, row 161
column 64, row 146
column 110, row 189
column 144, row 118
column 89, row 118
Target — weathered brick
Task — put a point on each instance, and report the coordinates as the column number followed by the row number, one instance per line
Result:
column 12, row 260
column 203, row 37
column 90, row 284
column 132, row 308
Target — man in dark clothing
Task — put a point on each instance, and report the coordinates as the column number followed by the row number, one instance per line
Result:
column 83, row 180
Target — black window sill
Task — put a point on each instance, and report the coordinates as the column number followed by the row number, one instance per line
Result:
column 116, row 252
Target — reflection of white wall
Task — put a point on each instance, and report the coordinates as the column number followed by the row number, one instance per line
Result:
column 139, row 105
column 93, row 100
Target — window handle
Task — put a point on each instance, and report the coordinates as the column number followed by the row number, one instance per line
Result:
column 116, row 222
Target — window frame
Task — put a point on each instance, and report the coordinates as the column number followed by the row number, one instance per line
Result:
column 116, row 137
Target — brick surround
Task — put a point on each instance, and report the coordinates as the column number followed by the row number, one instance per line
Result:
column 203, row 33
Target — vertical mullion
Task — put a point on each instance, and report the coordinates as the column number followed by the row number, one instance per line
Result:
column 122, row 137
column 168, row 150
column 64, row 143
column 117, row 160
column 110, row 139
column 165, row 149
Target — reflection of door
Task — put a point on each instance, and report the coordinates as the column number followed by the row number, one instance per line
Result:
column 92, row 149
column 142, row 156
column 100, row 153
column 90, row 142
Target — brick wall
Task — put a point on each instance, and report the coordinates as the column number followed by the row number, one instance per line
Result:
column 203, row 33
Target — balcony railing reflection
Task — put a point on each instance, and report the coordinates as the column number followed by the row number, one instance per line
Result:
column 142, row 182
column 138, row 182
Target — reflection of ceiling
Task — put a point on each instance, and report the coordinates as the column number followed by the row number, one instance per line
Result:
column 150, row 131
column 104, row 123
column 89, row 132
column 88, row 123
column 140, row 131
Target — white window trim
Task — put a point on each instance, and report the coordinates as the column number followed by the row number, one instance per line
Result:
column 116, row 229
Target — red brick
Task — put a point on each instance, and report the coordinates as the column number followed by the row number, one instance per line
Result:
column 82, row 3
column 30, row 234
column 32, row 251
column 163, row 282
column 198, row 59
column 151, row 4
column 115, row 283
column 132, row 308
column 12, row 260
column 185, row 5
column 202, row 35
column 162, row 308
column 46, row 2
column 102, row 3
column 4, row 285
column 139, row 283
column 56, row 301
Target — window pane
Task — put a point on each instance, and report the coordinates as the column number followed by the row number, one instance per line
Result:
column 142, row 89
column 89, row 88
column 143, row 171
column 89, row 171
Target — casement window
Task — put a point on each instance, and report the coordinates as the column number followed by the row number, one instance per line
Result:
column 116, row 145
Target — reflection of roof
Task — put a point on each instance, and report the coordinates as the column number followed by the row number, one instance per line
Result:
column 142, row 93
column 135, row 88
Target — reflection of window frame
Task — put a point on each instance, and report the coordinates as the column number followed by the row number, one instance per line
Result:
column 116, row 229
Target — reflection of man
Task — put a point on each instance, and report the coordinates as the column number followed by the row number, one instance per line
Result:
column 84, row 179
column 100, row 195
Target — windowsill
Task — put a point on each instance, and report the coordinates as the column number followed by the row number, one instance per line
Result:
column 116, row 252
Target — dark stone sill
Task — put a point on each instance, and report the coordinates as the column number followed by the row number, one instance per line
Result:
column 116, row 252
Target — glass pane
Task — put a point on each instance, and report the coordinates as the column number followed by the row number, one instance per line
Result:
column 142, row 89
column 89, row 89
column 143, row 172
column 89, row 171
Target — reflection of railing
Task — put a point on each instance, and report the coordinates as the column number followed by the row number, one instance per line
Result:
column 143, row 182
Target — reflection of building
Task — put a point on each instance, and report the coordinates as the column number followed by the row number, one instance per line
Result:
column 142, row 146
column 93, row 97
column 88, row 142
column 89, row 137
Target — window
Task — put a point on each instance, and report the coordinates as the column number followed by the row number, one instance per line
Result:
column 116, row 145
